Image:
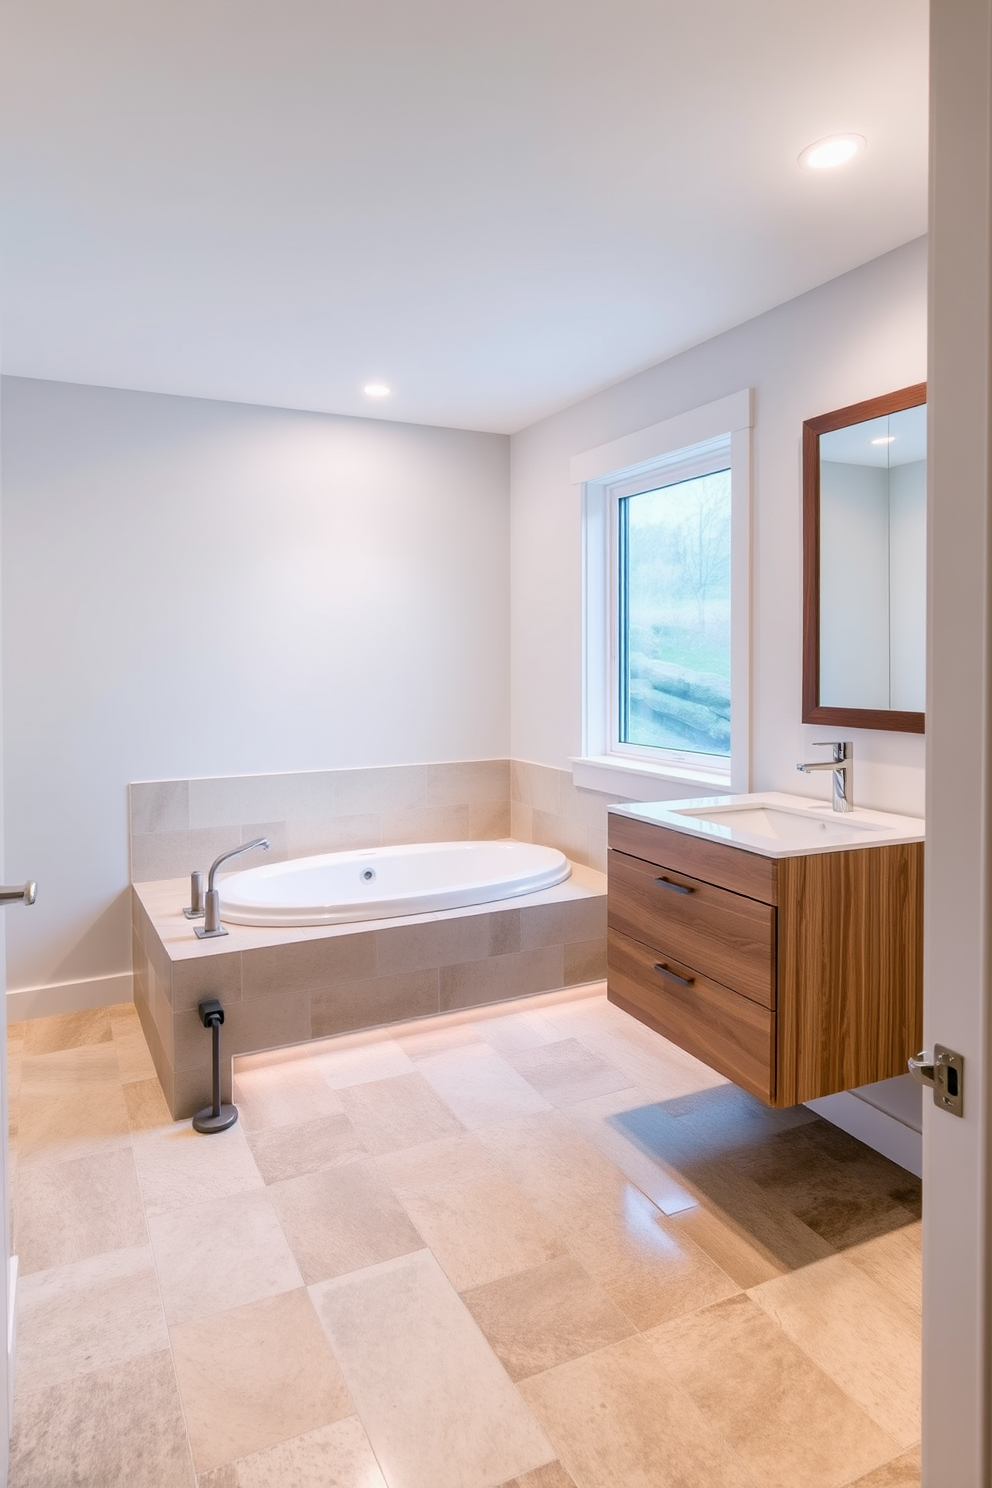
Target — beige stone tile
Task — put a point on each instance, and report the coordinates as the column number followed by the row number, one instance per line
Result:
column 436, row 1164
column 308, row 965
column 425, row 824
column 823, row 1307
column 159, row 806
column 342, row 1219
column 380, row 788
column 283, row 1094
column 308, row 836
column 402, row 1112
column 378, row 1000
column 605, row 1121
column 489, row 821
column 439, row 1038
column 146, row 1105
column 895, row 1261
column 411, row 1353
column 566, row 1072
column 439, row 942
column 619, row 1420
column 343, row 1063
column 537, row 785
column 68, row 1211
column 577, row 920
column 249, row 1026
column 120, row 1425
column 584, row 961
column 480, row 1086
column 468, row 782
column 194, row 978
column 219, row 1254
column 500, row 978
column 175, row 854
column 86, row 1316
column 650, row 1270
column 521, row 822
column 67, row 1031
column 256, row 1376
column 902, row 1472
column 511, row 1032
column 335, row 1456
column 134, row 1059
column 177, row 1166
column 230, row 800
column 538, row 1319
column 787, row 1421
column 563, row 832
column 481, row 1229
column 289, row 1151
column 553, row 1475
column 71, row 1104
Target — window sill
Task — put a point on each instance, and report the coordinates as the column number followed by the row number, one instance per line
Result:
column 638, row 780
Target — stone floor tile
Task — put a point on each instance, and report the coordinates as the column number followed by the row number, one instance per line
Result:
column 342, row 1219
column 67, row 1031
column 220, row 1254
column 436, row 1403
column 283, row 1094
column 400, row 1112
column 436, row 1164
column 304, row 1147
column 256, row 1376
column 482, row 1230
column 146, row 1105
column 346, row 1063
column 336, row 1456
column 566, row 1071
column 538, row 1319
column 480, row 1086
column 90, row 1315
column 68, row 1211
column 902, row 1472
column 71, row 1104
column 122, row 1425
column 178, row 1166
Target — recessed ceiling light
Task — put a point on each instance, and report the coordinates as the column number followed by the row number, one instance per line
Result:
column 376, row 390
column 887, row 439
column 836, row 149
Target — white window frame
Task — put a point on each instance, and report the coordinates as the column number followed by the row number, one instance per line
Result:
column 679, row 447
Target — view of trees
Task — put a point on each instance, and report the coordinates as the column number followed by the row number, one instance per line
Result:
column 678, row 615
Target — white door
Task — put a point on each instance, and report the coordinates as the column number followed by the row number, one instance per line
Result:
column 958, row 976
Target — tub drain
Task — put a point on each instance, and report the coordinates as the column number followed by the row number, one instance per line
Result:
column 368, row 874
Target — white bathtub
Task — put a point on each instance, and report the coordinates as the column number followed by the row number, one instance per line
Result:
column 378, row 883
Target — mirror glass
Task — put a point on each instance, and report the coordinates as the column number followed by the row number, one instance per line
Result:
column 865, row 508
column 873, row 563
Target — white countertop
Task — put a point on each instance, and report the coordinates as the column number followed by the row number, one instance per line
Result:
column 777, row 825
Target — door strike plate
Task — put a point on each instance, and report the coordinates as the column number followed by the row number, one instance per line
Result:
column 943, row 1071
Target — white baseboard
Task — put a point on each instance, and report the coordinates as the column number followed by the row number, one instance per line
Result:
column 892, row 1138
column 69, row 997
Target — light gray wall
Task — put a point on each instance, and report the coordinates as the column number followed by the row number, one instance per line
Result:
column 858, row 336
column 195, row 588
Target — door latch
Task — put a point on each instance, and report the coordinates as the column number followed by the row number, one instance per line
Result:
column 943, row 1071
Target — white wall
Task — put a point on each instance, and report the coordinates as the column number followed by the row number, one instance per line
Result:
column 858, row 336
column 908, row 583
column 197, row 588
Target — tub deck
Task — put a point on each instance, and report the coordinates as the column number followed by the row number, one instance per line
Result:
column 284, row 985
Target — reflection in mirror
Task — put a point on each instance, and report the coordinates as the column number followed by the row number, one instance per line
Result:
column 873, row 487
column 864, row 563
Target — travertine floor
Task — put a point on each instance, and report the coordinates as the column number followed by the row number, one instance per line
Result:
column 529, row 1246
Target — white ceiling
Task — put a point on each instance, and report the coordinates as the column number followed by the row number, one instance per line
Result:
column 496, row 208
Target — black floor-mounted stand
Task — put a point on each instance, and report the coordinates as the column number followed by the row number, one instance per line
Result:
column 218, row 1117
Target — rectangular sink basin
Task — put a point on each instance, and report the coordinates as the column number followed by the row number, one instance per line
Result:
column 797, row 828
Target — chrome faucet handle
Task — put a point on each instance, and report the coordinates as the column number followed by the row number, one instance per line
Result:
column 841, row 755
column 212, row 926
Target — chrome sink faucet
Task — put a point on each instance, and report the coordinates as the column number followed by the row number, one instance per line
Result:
column 842, row 765
column 212, row 926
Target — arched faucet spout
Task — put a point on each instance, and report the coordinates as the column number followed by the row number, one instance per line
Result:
column 262, row 842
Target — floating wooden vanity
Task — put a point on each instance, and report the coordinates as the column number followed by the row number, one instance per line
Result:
column 795, row 976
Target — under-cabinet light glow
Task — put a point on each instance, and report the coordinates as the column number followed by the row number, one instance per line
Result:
column 836, row 149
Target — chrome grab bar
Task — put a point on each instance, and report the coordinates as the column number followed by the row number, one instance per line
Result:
column 19, row 894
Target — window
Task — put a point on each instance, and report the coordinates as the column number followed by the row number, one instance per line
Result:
column 667, row 606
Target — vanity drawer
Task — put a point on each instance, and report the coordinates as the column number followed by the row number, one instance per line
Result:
column 711, row 861
column 728, row 1032
column 725, row 936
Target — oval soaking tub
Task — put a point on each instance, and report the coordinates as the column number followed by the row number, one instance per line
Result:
column 378, row 883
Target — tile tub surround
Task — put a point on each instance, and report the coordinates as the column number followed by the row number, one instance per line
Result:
column 450, row 1256
column 179, row 825
column 286, row 985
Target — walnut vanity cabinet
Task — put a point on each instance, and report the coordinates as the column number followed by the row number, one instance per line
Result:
column 795, row 977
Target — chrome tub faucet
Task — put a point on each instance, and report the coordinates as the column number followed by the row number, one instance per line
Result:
column 211, row 905
column 842, row 765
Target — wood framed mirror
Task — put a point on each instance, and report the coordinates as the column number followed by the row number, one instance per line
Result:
column 864, row 564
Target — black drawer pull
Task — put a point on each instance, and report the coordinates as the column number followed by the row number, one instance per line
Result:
column 667, row 971
column 666, row 883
